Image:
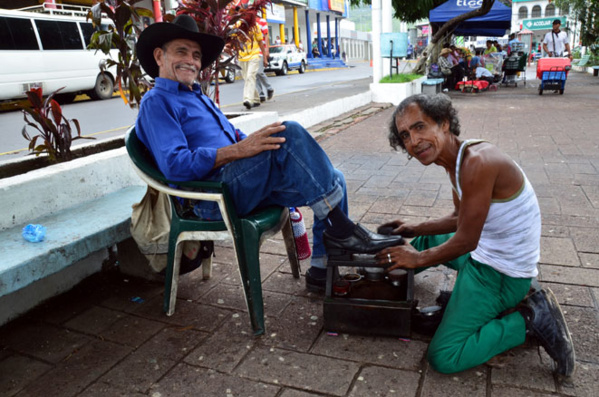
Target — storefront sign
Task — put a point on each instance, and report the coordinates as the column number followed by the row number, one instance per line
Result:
column 275, row 13
column 541, row 23
column 337, row 5
column 426, row 29
column 469, row 3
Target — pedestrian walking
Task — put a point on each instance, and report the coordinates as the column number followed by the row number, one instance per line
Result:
column 263, row 87
column 249, row 60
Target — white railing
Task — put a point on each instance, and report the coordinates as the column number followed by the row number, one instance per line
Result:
column 58, row 9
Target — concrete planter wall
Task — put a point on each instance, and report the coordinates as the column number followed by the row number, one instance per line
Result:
column 397, row 92
column 59, row 186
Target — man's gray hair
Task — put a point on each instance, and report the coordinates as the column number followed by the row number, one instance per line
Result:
column 438, row 107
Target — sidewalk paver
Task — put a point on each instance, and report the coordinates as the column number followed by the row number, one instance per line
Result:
column 109, row 337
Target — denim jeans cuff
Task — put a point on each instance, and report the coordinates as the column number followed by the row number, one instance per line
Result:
column 323, row 206
column 319, row 262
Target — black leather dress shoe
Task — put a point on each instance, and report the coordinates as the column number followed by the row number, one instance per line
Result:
column 362, row 241
column 316, row 279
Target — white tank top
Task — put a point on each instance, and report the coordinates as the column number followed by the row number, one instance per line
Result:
column 510, row 241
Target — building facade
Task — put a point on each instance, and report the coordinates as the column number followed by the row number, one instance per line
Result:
column 534, row 18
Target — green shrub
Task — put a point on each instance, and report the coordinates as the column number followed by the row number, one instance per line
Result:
column 400, row 78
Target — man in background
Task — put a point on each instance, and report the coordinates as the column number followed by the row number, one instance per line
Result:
column 249, row 60
column 556, row 41
column 264, row 88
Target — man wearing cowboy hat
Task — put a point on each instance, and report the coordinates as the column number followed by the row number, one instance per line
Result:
column 280, row 164
column 453, row 73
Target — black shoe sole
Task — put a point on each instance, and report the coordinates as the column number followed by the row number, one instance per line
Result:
column 315, row 288
column 556, row 310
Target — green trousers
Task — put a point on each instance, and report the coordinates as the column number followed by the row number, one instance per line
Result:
column 470, row 333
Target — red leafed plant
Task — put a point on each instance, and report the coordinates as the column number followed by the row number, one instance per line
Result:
column 229, row 19
column 55, row 130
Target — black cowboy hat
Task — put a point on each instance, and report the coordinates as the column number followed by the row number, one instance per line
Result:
column 182, row 27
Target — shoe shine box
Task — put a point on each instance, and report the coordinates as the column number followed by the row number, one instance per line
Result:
column 367, row 300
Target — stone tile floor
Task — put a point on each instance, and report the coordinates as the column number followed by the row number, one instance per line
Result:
column 108, row 336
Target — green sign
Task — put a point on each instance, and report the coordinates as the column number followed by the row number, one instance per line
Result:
column 541, row 23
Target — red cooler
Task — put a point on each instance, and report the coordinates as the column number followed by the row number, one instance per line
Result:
column 545, row 64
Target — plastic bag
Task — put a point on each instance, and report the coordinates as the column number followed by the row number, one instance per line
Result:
column 34, row 233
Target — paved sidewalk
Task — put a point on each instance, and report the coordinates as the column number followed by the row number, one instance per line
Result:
column 108, row 336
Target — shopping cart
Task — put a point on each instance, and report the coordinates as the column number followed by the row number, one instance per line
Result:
column 513, row 69
column 553, row 73
column 493, row 63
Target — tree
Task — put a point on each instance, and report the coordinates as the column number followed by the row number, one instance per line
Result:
column 587, row 12
column 432, row 50
column 413, row 11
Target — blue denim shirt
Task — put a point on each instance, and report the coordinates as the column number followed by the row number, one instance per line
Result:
column 183, row 129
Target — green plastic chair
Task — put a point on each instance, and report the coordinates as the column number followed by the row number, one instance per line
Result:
column 583, row 60
column 247, row 232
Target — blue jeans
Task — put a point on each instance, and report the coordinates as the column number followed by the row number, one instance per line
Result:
column 298, row 174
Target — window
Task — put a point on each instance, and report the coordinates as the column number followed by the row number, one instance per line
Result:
column 17, row 34
column 88, row 30
column 522, row 13
column 536, row 12
column 57, row 35
column 550, row 10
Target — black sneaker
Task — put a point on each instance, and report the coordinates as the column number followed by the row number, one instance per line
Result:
column 262, row 99
column 545, row 321
column 270, row 94
column 247, row 105
column 316, row 279
column 255, row 104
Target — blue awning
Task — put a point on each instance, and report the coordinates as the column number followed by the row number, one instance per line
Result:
column 494, row 23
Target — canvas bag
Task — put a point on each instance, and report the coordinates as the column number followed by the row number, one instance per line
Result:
column 150, row 227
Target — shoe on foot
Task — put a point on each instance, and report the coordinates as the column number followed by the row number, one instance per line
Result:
column 255, row 104
column 270, row 94
column 316, row 279
column 262, row 99
column 247, row 105
column 362, row 241
column 545, row 321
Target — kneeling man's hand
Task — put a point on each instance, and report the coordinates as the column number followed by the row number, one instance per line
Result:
column 397, row 227
column 398, row 257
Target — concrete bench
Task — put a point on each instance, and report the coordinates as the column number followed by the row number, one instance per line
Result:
column 72, row 234
column 85, row 205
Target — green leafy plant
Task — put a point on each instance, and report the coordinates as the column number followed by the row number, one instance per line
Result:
column 121, row 35
column 400, row 78
column 225, row 19
column 54, row 129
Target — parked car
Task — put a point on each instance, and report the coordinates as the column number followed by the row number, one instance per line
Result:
column 285, row 57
